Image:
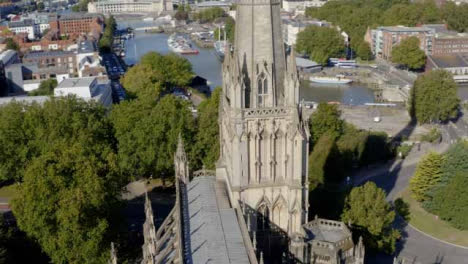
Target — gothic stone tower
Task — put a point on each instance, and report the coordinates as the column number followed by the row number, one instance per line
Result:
column 264, row 140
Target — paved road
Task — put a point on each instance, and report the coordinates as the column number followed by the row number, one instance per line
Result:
column 394, row 178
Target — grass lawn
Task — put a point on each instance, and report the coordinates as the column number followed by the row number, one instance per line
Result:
column 429, row 224
column 8, row 191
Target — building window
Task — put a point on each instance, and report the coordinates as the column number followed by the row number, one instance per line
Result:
column 262, row 87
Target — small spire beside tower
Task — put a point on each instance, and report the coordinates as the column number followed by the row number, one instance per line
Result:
column 181, row 164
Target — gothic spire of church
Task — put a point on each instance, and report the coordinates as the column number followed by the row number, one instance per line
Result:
column 259, row 61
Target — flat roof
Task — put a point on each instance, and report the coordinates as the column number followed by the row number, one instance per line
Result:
column 23, row 99
column 305, row 63
column 38, row 54
column 405, row 29
column 76, row 82
column 450, row 61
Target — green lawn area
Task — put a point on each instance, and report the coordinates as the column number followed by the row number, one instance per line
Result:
column 8, row 191
column 428, row 223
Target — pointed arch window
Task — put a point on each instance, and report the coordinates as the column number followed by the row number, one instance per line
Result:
column 262, row 86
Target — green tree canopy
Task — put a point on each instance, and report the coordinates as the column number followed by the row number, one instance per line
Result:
column 455, row 15
column 409, row 54
column 11, row 44
column 434, row 97
column 318, row 160
column 325, row 120
column 320, row 43
column 427, row 175
column 452, row 199
column 207, row 138
column 147, row 134
column 157, row 73
column 70, row 181
column 448, row 200
column 229, row 27
column 364, row 51
column 14, row 153
column 45, row 88
column 371, row 216
column 210, row 14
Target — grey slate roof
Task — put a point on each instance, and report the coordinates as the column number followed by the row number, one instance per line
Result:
column 215, row 235
column 450, row 61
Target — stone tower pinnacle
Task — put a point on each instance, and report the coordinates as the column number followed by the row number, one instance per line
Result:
column 263, row 139
column 181, row 162
column 259, row 58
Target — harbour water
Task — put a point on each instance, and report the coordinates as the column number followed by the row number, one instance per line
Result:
column 207, row 65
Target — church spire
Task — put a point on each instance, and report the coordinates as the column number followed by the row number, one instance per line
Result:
column 259, row 52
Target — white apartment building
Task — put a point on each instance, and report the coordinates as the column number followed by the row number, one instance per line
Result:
column 86, row 88
column 292, row 27
column 26, row 26
column 301, row 5
column 130, row 6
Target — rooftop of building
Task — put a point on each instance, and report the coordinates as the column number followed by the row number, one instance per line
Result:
column 76, row 82
column 305, row 63
column 7, row 55
column 23, row 23
column 215, row 235
column 86, row 46
column 449, row 61
column 405, row 29
column 73, row 16
column 23, row 99
column 50, row 53
column 302, row 22
column 326, row 230
column 214, row 3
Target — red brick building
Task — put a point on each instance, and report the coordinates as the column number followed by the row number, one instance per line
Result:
column 77, row 24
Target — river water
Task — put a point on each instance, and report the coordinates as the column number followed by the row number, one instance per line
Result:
column 208, row 66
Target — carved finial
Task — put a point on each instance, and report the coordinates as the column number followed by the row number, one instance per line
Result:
column 261, row 257
column 113, row 255
column 316, row 217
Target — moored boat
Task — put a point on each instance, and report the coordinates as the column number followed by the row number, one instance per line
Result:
column 179, row 44
column 330, row 80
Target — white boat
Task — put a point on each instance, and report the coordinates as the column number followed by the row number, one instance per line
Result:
column 330, row 80
column 179, row 44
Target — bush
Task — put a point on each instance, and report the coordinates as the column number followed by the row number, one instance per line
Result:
column 432, row 136
column 45, row 88
column 404, row 150
column 402, row 209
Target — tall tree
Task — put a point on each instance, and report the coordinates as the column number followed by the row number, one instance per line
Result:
column 371, row 216
column 14, row 153
column 70, row 185
column 427, row 175
column 325, row 120
column 147, row 135
column 409, row 54
column 364, row 51
column 318, row 160
column 455, row 16
column 320, row 43
column 157, row 73
column 451, row 201
column 434, row 97
column 206, row 147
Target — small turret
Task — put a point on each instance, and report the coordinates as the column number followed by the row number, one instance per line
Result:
column 181, row 162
